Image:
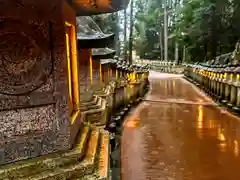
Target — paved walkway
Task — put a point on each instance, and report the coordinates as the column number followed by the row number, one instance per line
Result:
column 177, row 133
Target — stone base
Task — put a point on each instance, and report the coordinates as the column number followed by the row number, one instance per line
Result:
column 224, row 101
column 237, row 109
column 87, row 160
column 229, row 105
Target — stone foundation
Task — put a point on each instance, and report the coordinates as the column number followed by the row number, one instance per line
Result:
column 33, row 80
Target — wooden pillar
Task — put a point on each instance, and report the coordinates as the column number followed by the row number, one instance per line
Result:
column 110, row 74
column 91, row 68
column 100, row 72
column 116, row 74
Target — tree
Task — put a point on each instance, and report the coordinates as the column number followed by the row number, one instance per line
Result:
column 147, row 29
column 131, row 32
column 200, row 29
column 125, row 35
column 208, row 27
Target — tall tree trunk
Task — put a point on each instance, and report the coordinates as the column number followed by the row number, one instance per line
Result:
column 205, row 50
column 161, row 41
column 176, row 39
column 176, row 52
column 131, row 32
column 117, row 42
column 184, row 54
column 125, row 34
column 161, row 36
column 214, row 34
column 165, row 32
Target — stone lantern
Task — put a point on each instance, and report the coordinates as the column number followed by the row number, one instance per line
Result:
column 204, row 74
column 202, row 71
column 210, row 83
column 209, row 76
column 194, row 75
column 228, row 79
column 42, row 114
column 186, row 71
column 119, row 70
column 211, row 80
column 197, row 74
column 233, row 83
column 190, row 71
column 214, row 82
column 205, row 78
column 237, row 85
column 200, row 74
column 222, row 82
column 218, row 81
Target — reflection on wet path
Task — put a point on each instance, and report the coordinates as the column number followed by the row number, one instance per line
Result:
column 174, row 89
column 188, row 138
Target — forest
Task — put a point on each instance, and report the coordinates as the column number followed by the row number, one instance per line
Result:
column 192, row 30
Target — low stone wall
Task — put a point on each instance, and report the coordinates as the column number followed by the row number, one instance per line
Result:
column 167, row 67
column 222, row 83
column 115, row 94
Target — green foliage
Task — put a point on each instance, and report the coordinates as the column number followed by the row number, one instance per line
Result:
column 210, row 27
column 107, row 22
column 146, row 40
column 207, row 28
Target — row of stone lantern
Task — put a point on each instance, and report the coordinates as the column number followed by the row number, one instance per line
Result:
column 220, row 81
column 164, row 66
column 54, row 106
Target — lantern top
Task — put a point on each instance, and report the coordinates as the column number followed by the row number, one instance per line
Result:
column 90, row 35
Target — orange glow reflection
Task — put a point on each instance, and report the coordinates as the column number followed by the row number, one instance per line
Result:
column 100, row 72
column 222, row 139
column 69, row 67
column 200, row 117
column 91, row 67
column 116, row 74
column 199, row 122
column 132, row 122
column 72, row 63
column 236, row 148
column 212, row 124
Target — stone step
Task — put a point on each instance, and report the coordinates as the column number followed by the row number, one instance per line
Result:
column 92, row 104
column 101, row 171
column 47, row 162
column 104, row 165
column 96, row 115
column 125, row 109
column 97, row 105
column 87, row 97
column 75, row 169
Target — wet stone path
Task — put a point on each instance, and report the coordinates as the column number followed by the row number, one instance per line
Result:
column 177, row 133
